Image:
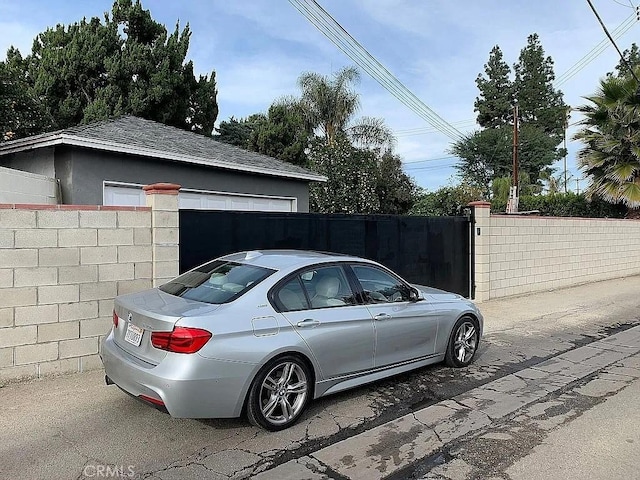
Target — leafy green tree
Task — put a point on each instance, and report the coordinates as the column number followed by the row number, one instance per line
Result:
column 445, row 202
column 21, row 113
column 611, row 137
column 632, row 57
column 329, row 105
column 495, row 102
column 554, row 183
column 239, row 132
column 282, row 134
column 90, row 70
column 501, row 185
column 396, row 191
column 351, row 177
column 487, row 153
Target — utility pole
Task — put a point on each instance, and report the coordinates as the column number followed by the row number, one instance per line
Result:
column 515, row 146
column 512, row 204
column 577, row 186
column 566, row 127
column 624, row 60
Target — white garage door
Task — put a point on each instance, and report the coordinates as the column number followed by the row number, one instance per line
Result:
column 128, row 195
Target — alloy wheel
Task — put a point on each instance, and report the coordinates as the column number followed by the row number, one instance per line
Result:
column 283, row 393
column 466, row 342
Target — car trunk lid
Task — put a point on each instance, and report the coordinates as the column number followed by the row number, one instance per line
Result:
column 142, row 313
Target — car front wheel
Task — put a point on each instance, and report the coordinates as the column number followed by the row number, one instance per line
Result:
column 279, row 393
column 463, row 342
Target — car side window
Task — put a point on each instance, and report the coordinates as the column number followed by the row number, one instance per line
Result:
column 379, row 286
column 324, row 287
column 290, row 297
column 328, row 287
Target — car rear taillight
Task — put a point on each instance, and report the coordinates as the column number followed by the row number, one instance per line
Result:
column 115, row 319
column 181, row 340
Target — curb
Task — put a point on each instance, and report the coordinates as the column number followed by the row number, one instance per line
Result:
column 393, row 446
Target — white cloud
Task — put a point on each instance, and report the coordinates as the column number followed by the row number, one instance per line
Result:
column 258, row 48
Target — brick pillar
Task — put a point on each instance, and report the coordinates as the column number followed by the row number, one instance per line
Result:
column 482, row 240
column 163, row 200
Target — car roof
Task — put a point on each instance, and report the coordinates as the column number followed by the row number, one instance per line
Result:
column 288, row 259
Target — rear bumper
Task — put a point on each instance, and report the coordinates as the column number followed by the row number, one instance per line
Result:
column 190, row 386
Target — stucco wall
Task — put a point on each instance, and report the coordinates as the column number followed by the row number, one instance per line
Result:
column 89, row 168
column 516, row 255
column 38, row 161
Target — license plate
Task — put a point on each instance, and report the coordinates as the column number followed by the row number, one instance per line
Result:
column 133, row 334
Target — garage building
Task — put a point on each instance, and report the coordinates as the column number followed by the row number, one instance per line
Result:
column 108, row 162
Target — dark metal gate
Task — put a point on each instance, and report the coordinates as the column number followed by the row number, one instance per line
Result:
column 432, row 251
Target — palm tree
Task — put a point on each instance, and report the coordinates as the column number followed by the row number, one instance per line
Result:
column 611, row 134
column 329, row 105
column 553, row 184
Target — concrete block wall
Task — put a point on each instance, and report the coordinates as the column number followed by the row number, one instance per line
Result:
column 517, row 255
column 61, row 266
column 60, row 269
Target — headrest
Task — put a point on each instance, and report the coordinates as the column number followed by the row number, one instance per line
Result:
column 328, row 287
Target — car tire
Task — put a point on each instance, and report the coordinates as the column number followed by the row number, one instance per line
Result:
column 463, row 342
column 279, row 393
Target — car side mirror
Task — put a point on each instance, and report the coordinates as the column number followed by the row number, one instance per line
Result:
column 414, row 295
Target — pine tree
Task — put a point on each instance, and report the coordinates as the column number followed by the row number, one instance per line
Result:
column 632, row 58
column 486, row 154
column 540, row 105
column 283, row 134
column 89, row 70
column 21, row 113
column 495, row 102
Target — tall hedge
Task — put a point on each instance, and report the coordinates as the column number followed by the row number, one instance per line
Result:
column 565, row 205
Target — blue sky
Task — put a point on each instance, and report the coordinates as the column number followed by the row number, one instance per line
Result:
column 258, row 48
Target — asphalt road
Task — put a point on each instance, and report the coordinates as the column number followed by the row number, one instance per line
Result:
column 76, row 427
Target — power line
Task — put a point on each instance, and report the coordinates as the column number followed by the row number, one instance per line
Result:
column 415, row 129
column 417, row 163
column 572, row 71
column 326, row 24
column 348, row 45
column 426, row 130
column 329, row 29
column 624, row 60
column 429, row 168
column 595, row 52
column 622, row 4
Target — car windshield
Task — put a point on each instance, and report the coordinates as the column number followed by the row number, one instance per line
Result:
column 216, row 282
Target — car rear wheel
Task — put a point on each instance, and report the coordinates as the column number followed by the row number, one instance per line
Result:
column 463, row 343
column 279, row 393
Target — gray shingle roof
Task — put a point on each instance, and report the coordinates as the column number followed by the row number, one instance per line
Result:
column 145, row 137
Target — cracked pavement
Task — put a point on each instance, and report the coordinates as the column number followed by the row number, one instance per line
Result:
column 68, row 426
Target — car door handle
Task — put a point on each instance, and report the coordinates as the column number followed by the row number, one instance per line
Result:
column 308, row 322
column 382, row 316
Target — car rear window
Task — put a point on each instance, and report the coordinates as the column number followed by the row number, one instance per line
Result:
column 216, row 282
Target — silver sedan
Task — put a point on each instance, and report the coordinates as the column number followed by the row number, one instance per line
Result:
column 264, row 332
